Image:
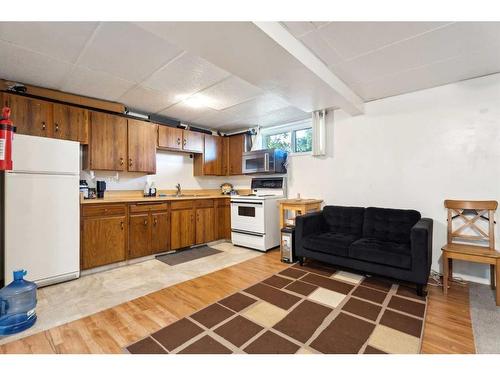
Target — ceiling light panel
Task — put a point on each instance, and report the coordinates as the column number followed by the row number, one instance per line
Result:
column 61, row 40
column 100, row 85
column 22, row 65
column 185, row 75
column 127, row 51
column 228, row 93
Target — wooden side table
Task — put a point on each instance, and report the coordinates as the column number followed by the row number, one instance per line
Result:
column 299, row 206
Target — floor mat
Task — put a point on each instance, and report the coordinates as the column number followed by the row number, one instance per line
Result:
column 310, row 309
column 485, row 316
column 187, row 255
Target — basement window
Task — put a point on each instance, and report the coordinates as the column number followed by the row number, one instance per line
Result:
column 295, row 138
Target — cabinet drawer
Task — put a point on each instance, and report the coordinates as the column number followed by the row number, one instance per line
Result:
column 104, row 210
column 147, row 207
column 179, row 205
column 204, row 203
column 222, row 202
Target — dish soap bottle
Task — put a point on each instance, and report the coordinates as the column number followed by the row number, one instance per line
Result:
column 17, row 305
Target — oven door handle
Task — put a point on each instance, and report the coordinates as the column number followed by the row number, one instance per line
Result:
column 247, row 232
column 241, row 202
column 266, row 162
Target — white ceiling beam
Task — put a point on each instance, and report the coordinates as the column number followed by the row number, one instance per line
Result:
column 347, row 98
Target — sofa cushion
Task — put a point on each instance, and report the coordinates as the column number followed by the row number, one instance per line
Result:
column 382, row 252
column 330, row 243
column 387, row 224
column 346, row 220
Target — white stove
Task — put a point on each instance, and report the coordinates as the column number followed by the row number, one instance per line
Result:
column 255, row 217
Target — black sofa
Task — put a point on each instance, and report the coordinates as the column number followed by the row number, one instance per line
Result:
column 382, row 241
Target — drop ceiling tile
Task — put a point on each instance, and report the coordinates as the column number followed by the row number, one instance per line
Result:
column 83, row 81
column 22, row 65
column 352, row 39
column 281, row 116
column 185, row 75
column 228, row 93
column 318, row 45
column 183, row 112
column 299, row 28
column 127, row 51
column 61, row 40
column 147, row 100
column 452, row 70
column 441, row 44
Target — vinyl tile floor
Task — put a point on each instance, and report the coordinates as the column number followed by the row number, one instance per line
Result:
column 65, row 302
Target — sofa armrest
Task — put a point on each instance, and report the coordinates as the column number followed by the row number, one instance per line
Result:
column 421, row 248
column 308, row 224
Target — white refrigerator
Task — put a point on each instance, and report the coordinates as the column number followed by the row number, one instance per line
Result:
column 41, row 210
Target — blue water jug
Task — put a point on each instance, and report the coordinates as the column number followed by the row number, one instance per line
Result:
column 17, row 305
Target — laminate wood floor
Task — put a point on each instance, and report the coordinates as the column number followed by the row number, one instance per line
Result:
column 447, row 329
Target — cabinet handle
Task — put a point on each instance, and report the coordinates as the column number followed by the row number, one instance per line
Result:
column 155, row 221
column 121, row 224
column 145, row 222
column 121, row 161
column 130, row 162
column 57, row 127
column 184, row 142
column 178, row 141
column 43, row 125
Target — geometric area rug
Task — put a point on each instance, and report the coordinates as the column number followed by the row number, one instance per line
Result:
column 303, row 309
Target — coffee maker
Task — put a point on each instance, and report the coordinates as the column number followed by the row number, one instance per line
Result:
column 100, row 188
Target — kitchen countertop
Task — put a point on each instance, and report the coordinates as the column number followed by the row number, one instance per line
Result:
column 131, row 199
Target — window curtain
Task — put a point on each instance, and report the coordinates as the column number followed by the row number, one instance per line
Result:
column 319, row 133
column 256, row 139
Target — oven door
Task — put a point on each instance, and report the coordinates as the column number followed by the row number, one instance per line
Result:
column 256, row 162
column 247, row 216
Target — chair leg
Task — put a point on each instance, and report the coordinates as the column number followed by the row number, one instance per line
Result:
column 492, row 276
column 420, row 290
column 446, row 266
column 497, row 269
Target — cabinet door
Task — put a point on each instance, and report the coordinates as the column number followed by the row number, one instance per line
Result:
column 139, row 241
column 205, row 225
column 141, row 146
column 223, row 219
column 160, row 233
column 211, row 158
column 30, row 116
column 235, row 153
column 192, row 141
column 71, row 123
column 108, row 142
column 169, row 137
column 182, row 231
column 103, row 241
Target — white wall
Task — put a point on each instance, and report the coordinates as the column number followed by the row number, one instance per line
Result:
column 172, row 168
column 412, row 151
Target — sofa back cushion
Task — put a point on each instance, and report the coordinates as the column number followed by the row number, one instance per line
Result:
column 345, row 220
column 388, row 224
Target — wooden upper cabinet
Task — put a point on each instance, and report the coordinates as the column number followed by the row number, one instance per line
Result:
column 235, row 154
column 179, row 139
column 30, row 116
column 192, row 141
column 141, row 146
column 108, row 142
column 169, row 137
column 71, row 123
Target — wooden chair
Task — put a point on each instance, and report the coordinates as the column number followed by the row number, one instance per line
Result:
column 480, row 247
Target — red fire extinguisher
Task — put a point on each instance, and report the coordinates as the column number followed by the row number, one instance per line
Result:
column 7, row 131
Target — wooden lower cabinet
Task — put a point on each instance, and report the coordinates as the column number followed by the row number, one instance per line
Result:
column 182, row 225
column 139, row 235
column 160, row 232
column 104, row 240
column 205, row 224
column 223, row 219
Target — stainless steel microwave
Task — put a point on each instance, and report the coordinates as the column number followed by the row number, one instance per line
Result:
column 264, row 161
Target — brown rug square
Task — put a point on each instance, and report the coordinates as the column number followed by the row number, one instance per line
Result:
column 309, row 309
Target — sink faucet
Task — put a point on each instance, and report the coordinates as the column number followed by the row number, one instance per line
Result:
column 178, row 187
